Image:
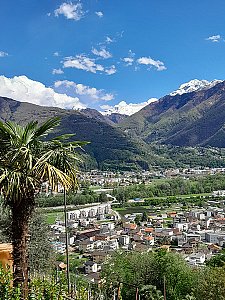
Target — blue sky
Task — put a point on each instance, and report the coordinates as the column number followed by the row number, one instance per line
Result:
column 101, row 52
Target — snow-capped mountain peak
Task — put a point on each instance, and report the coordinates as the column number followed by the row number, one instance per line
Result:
column 124, row 108
column 194, row 85
column 129, row 109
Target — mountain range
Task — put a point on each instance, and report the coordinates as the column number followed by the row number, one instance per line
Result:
column 129, row 109
column 194, row 118
column 178, row 130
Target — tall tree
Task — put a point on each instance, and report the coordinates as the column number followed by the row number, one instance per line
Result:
column 26, row 160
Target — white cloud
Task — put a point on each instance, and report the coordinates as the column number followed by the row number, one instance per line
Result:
column 56, row 53
column 83, row 90
column 159, row 65
column 107, row 97
column 3, row 54
column 70, row 11
column 111, row 70
column 102, row 53
column 87, row 64
column 23, row 89
column 214, row 38
column 124, row 108
column 82, row 62
column 109, row 40
column 129, row 59
column 57, row 71
column 99, row 14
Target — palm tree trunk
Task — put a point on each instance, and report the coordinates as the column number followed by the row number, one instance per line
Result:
column 20, row 219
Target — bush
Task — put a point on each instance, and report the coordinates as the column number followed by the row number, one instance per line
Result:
column 38, row 288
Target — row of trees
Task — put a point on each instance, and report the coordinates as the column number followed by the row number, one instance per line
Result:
column 171, row 187
column 167, row 201
column 86, row 196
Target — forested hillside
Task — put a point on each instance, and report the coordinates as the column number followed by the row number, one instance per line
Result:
column 137, row 142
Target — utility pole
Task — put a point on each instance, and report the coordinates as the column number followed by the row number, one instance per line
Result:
column 118, row 291
column 164, row 286
column 114, row 295
column 67, row 243
column 137, row 294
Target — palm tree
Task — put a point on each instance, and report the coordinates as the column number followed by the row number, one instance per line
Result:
column 26, row 160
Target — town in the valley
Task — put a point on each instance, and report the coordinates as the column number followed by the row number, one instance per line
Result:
column 97, row 230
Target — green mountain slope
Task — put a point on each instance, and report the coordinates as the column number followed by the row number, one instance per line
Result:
column 109, row 146
column 139, row 142
column 192, row 119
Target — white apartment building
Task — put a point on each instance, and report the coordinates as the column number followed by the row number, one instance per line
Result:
column 91, row 212
column 215, row 237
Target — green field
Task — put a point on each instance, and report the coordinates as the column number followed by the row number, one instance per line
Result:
column 156, row 181
column 130, row 210
column 52, row 216
column 95, row 187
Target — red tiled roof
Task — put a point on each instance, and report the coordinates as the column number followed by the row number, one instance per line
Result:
column 149, row 229
column 148, row 238
column 130, row 226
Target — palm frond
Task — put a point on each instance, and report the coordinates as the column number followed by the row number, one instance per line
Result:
column 60, row 140
column 29, row 132
column 26, row 160
column 45, row 128
column 7, row 128
column 64, row 137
